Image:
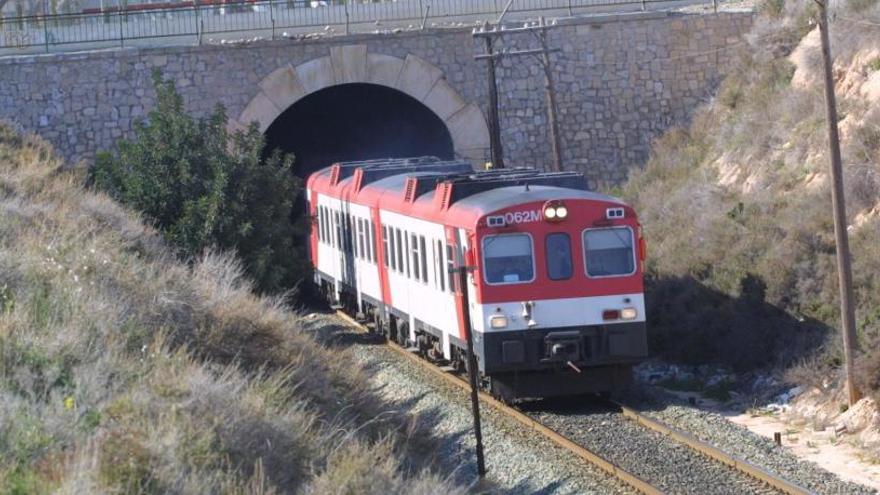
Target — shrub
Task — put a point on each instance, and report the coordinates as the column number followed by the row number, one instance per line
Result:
column 202, row 187
column 123, row 370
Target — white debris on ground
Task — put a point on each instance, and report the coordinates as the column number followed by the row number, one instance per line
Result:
column 782, row 402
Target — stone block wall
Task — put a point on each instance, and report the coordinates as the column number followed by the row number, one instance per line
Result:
column 619, row 85
column 621, row 81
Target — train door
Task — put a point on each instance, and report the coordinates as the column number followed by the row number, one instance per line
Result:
column 457, row 242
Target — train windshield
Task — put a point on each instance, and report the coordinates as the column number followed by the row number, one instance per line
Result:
column 558, row 254
column 508, row 259
column 609, row 252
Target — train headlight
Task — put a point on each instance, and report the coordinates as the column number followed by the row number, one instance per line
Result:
column 498, row 321
column 628, row 313
column 555, row 211
column 561, row 212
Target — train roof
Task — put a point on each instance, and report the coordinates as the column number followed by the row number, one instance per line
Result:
column 449, row 192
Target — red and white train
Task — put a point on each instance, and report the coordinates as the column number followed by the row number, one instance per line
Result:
column 555, row 293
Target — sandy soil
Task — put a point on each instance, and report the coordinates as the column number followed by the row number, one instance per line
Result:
column 820, row 447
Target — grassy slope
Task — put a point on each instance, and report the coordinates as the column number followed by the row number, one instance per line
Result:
column 737, row 207
column 122, row 370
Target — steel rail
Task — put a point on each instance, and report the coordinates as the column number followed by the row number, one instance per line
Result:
column 713, row 453
column 591, row 457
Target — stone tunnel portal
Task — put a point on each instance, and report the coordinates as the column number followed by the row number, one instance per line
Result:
column 357, row 121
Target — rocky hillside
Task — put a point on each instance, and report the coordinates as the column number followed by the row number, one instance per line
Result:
column 737, row 207
column 125, row 371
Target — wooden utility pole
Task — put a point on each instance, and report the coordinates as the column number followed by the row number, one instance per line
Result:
column 494, row 124
column 550, row 87
column 461, row 274
column 543, row 56
column 844, row 266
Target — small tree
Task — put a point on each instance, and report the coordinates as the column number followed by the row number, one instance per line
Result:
column 202, row 187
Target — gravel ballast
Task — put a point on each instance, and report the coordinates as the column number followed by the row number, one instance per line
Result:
column 518, row 460
column 665, row 463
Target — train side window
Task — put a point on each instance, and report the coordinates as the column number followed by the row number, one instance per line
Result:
column 344, row 228
column 365, row 233
column 347, row 234
column 398, row 240
column 326, row 226
column 337, row 231
column 450, row 265
column 385, row 244
column 609, row 252
column 439, row 265
column 352, row 234
column 355, row 228
column 361, row 243
column 423, row 258
column 508, row 259
column 371, row 240
column 343, row 232
column 322, row 223
column 441, row 274
column 415, row 254
column 319, row 224
column 406, row 250
column 350, row 237
column 393, row 248
column 558, row 255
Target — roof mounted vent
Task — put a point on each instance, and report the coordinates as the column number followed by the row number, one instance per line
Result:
column 335, row 173
column 443, row 196
column 357, row 179
column 409, row 191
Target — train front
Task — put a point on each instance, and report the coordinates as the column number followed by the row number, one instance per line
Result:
column 559, row 291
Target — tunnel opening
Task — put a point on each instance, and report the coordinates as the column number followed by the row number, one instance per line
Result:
column 357, row 122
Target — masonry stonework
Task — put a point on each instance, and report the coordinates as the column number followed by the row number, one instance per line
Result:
column 621, row 81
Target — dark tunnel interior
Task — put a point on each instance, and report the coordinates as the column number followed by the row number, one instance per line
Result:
column 357, row 122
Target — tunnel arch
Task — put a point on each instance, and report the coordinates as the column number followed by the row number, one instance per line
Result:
column 357, row 121
column 352, row 64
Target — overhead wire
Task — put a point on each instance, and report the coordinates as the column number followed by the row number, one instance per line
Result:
column 857, row 21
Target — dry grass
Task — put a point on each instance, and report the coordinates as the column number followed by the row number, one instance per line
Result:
column 124, row 371
column 744, row 192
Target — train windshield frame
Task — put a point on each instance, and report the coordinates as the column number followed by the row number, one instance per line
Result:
column 609, row 252
column 508, row 259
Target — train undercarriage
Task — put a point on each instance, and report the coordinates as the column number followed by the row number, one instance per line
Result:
column 539, row 372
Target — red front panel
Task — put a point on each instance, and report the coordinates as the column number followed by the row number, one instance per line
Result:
column 313, row 225
column 529, row 219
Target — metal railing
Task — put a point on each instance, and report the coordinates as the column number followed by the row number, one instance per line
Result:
column 192, row 22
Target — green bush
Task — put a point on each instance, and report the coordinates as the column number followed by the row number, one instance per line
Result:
column 205, row 188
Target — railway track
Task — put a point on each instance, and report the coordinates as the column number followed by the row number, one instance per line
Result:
column 575, row 429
